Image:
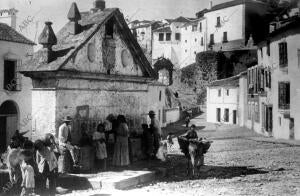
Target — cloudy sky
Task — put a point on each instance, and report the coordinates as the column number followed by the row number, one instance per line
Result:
column 35, row 12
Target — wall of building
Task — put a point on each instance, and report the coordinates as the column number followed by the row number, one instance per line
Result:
column 223, row 102
column 242, row 101
column 191, row 43
column 82, row 62
column 232, row 22
column 290, row 74
column 22, row 99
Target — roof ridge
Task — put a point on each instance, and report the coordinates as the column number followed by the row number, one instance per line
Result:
column 13, row 35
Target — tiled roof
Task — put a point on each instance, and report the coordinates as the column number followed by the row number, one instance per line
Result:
column 182, row 19
column 68, row 44
column 9, row 34
column 163, row 29
column 232, row 3
column 232, row 82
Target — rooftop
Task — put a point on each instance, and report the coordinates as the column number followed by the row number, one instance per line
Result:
column 69, row 44
column 9, row 34
column 227, row 82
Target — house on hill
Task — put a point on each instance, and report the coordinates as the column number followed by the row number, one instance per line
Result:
column 227, row 100
column 92, row 68
column 15, row 90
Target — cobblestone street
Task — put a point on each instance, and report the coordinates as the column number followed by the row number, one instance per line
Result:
column 239, row 162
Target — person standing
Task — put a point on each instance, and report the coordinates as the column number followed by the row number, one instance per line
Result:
column 100, row 145
column 187, row 121
column 28, row 176
column 121, row 150
column 48, row 166
column 67, row 158
column 155, row 126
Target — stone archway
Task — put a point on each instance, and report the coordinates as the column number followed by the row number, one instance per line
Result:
column 9, row 118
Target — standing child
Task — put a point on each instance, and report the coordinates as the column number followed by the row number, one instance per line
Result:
column 99, row 143
column 28, row 183
column 48, row 166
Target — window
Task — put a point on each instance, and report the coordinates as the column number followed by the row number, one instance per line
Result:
column 298, row 53
column 219, row 92
column 185, row 50
column 177, row 36
column 279, row 121
column 195, row 52
column 196, row 40
column 227, row 92
column 161, row 37
column 218, row 22
column 268, row 78
column 200, row 26
column 226, row 115
column 202, row 42
column 283, row 58
column 185, row 41
column 194, row 28
column 11, row 76
column 109, row 28
column 261, row 52
column 256, row 108
column 268, row 48
column 249, row 111
column 168, row 37
column 159, row 96
column 284, row 95
column 225, row 37
column 212, row 39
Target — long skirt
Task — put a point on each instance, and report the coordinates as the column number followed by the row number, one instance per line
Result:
column 121, row 152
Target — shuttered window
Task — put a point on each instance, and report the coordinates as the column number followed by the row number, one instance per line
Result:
column 283, row 58
column 284, row 95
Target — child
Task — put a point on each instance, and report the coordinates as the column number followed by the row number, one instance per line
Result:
column 28, row 182
column 191, row 134
column 48, row 166
column 99, row 143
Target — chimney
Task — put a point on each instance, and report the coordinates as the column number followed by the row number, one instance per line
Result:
column 74, row 16
column 98, row 5
column 47, row 39
column 210, row 4
column 9, row 16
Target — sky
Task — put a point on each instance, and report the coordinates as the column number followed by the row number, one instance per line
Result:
column 33, row 13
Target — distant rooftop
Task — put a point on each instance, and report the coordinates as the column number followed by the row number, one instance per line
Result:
column 9, row 34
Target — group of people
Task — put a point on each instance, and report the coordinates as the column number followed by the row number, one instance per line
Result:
column 30, row 165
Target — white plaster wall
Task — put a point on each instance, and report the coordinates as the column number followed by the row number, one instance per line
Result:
column 292, row 74
column 223, row 102
column 242, row 101
column 233, row 24
column 21, row 98
column 191, row 43
column 172, row 115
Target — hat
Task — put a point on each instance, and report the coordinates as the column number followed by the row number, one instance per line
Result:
column 151, row 113
column 67, row 119
column 26, row 154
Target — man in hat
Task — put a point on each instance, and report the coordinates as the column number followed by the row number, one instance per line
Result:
column 155, row 126
column 64, row 141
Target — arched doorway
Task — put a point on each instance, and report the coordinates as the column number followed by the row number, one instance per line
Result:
column 8, row 122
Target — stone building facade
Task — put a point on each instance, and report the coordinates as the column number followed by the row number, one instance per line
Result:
column 92, row 68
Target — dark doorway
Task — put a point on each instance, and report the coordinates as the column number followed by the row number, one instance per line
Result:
column 226, row 115
column 234, row 117
column 9, row 75
column 269, row 119
column 8, row 122
column 218, row 114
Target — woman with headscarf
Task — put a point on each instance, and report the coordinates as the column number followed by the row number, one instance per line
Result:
column 121, row 150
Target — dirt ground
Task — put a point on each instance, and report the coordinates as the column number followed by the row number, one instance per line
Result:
column 236, row 164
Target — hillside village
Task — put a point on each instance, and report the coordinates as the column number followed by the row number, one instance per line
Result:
column 111, row 98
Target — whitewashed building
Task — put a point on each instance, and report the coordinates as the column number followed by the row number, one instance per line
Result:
column 231, row 24
column 274, row 91
column 167, row 41
column 226, row 101
column 15, row 90
column 193, row 41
